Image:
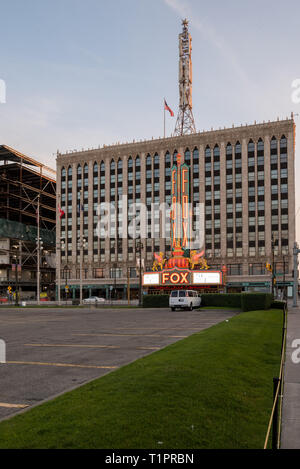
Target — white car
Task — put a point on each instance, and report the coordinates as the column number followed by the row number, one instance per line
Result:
column 93, row 300
column 184, row 299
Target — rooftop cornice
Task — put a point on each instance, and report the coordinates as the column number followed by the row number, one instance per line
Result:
column 138, row 147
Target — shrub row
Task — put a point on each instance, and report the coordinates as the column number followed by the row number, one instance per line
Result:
column 155, row 301
column 221, row 299
column 245, row 301
column 256, row 301
column 278, row 304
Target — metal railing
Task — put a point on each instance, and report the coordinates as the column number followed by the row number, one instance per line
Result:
column 278, row 382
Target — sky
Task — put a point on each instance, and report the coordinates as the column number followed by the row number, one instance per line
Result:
column 79, row 74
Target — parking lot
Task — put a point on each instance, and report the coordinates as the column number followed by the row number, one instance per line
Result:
column 50, row 351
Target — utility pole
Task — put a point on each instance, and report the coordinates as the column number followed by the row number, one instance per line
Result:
column 20, row 266
column 38, row 245
column 296, row 251
column 128, row 285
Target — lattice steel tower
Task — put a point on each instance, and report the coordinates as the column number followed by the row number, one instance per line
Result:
column 185, row 123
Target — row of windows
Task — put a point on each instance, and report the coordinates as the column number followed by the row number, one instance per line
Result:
column 187, row 156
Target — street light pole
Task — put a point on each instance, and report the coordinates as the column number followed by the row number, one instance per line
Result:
column 284, row 285
column 140, row 247
column 60, row 246
column 296, row 251
column 273, row 262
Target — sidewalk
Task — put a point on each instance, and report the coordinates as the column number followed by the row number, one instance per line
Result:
column 290, row 433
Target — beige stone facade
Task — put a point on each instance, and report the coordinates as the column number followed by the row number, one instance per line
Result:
column 250, row 183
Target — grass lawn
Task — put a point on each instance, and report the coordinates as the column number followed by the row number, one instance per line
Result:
column 211, row 390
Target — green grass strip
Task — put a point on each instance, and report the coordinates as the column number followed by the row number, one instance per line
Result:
column 211, row 390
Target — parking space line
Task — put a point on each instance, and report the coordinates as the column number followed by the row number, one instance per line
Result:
column 73, row 345
column 135, row 335
column 148, row 348
column 89, row 346
column 13, row 406
column 69, row 365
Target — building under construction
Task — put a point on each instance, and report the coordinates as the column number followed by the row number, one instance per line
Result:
column 27, row 207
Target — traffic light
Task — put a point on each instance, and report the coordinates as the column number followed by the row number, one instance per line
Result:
column 9, row 289
column 269, row 267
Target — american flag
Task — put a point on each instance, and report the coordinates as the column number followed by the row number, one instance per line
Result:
column 167, row 108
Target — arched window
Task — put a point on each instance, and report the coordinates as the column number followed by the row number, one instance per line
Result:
column 187, row 156
column 120, row 164
column 167, row 159
column 229, row 149
column 137, row 162
column 283, row 144
column 112, row 166
column 283, row 149
column 69, row 172
column 79, row 171
column 130, row 163
column 260, row 153
column 102, row 181
column 63, row 173
column 251, row 148
column 156, row 160
column 95, row 176
column 260, row 145
column 207, row 152
column 216, row 152
column 86, row 176
column 238, row 148
column 196, row 162
column 148, row 161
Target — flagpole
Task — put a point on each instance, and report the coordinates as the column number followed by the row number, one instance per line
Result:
column 164, row 119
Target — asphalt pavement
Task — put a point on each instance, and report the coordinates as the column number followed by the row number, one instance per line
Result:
column 51, row 351
column 290, row 433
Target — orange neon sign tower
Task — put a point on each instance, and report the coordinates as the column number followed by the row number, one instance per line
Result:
column 180, row 215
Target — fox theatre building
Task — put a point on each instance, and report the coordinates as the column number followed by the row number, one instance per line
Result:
column 186, row 268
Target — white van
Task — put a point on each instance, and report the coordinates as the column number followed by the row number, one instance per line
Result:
column 184, row 299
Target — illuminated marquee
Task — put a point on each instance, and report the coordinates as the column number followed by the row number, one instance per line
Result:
column 150, row 279
column 183, row 277
column 180, row 216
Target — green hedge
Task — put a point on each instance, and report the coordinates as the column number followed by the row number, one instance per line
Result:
column 245, row 301
column 256, row 301
column 221, row 299
column 155, row 301
column 278, row 304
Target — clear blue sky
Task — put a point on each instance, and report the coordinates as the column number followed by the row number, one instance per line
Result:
column 83, row 73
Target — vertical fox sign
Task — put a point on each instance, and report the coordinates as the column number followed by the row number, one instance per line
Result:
column 180, row 216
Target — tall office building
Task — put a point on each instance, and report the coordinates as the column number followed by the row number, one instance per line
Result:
column 243, row 177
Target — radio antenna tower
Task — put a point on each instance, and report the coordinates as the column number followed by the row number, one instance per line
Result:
column 185, row 121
